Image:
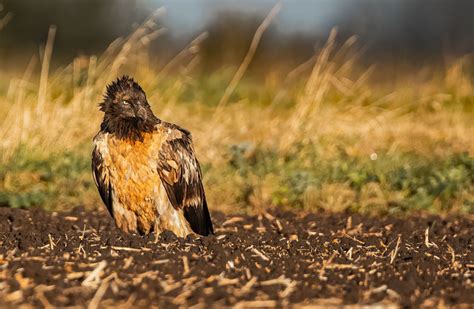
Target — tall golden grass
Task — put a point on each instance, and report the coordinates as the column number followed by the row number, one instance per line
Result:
column 336, row 109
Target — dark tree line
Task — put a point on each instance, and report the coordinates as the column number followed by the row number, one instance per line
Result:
column 386, row 29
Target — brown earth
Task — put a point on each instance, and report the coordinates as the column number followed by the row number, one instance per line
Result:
column 80, row 259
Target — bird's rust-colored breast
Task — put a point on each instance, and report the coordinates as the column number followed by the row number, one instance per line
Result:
column 133, row 170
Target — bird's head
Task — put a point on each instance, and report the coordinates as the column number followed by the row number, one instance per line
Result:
column 125, row 100
column 126, row 109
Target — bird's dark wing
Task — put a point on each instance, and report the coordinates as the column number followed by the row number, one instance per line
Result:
column 101, row 179
column 180, row 173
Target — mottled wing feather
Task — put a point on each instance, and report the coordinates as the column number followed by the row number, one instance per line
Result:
column 181, row 175
column 101, row 179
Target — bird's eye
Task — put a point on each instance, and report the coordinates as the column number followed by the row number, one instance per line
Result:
column 125, row 103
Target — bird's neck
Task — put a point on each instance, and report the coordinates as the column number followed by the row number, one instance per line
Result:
column 132, row 128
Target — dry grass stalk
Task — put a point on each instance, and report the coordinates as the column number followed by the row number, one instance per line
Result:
column 99, row 294
column 248, row 286
column 43, row 86
column 159, row 262
column 94, row 277
column 288, row 283
column 223, row 281
column 51, row 242
column 233, row 220
column 326, row 263
column 453, row 255
column 429, row 244
column 130, row 249
column 14, row 297
column 260, row 254
column 249, row 56
column 340, row 266
column 394, row 253
column 5, row 20
column 354, row 239
column 188, row 50
column 39, row 292
column 185, row 266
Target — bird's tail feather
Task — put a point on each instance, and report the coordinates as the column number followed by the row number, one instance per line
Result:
column 199, row 219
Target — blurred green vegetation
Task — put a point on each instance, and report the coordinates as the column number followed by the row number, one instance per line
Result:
column 405, row 182
column 55, row 182
column 301, row 178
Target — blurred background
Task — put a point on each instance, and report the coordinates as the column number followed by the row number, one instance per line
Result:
column 406, row 32
column 324, row 105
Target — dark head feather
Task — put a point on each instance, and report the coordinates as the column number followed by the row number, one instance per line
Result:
column 122, row 85
column 126, row 110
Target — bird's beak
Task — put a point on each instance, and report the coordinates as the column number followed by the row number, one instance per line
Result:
column 141, row 113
